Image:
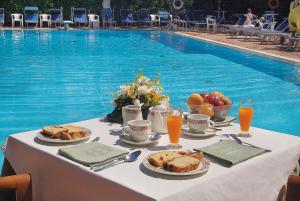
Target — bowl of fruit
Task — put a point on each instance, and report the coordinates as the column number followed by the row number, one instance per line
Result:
column 215, row 105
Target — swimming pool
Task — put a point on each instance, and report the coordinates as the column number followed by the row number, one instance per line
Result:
column 55, row 77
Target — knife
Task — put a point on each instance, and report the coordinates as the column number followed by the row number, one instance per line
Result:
column 239, row 141
column 108, row 162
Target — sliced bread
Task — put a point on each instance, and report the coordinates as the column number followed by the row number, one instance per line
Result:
column 160, row 159
column 183, row 164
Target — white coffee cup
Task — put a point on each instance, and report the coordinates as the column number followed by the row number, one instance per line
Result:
column 138, row 130
column 198, row 123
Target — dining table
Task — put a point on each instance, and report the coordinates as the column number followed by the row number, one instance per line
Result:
column 57, row 178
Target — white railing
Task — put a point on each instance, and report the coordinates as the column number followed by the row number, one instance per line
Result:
column 177, row 25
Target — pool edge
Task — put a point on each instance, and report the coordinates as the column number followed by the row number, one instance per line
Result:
column 295, row 62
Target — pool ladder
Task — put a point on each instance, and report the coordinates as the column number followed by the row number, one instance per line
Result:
column 176, row 25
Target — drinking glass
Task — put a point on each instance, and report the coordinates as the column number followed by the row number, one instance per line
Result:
column 174, row 124
column 245, row 115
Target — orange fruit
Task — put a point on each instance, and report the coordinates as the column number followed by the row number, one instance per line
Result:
column 195, row 99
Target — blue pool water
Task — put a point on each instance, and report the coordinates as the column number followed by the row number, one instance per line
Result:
column 55, row 77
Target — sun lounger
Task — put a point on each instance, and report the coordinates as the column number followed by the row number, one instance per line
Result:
column 249, row 33
column 164, row 17
column 1, row 16
column 31, row 15
column 291, row 43
column 78, row 16
column 198, row 19
column 56, row 16
column 143, row 16
column 234, row 29
column 273, row 36
column 127, row 17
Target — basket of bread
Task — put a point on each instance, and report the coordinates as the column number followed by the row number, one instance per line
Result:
column 68, row 133
column 215, row 104
column 177, row 163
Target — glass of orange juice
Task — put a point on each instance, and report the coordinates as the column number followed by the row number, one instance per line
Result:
column 174, row 124
column 246, row 112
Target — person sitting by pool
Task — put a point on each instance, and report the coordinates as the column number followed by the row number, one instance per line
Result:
column 249, row 18
column 260, row 22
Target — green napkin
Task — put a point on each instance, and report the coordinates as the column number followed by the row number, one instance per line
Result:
column 92, row 153
column 229, row 153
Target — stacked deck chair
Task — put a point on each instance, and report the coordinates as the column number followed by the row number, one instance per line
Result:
column 276, row 35
column 164, row 17
column 143, row 16
column 31, row 15
column 56, row 16
column 79, row 16
column 127, row 17
column 1, row 16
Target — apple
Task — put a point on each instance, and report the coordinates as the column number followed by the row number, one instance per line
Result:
column 215, row 101
column 217, row 94
column 226, row 100
column 204, row 97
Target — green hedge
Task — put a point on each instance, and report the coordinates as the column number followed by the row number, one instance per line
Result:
column 94, row 6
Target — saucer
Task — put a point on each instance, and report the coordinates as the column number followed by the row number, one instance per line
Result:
column 128, row 140
column 225, row 122
column 207, row 133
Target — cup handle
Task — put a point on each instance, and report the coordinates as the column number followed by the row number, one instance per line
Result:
column 211, row 123
column 126, row 129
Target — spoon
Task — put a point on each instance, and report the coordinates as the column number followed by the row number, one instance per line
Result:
column 96, row 139
column 128, row 158
column 154, row 137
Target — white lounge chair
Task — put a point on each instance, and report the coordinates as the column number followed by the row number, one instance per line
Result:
column 94, row 20
column 154, row 19
column 45, row 18
column 211, row 23
column 16, row 17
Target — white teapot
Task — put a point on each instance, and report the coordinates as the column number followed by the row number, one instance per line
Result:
column 158, row 117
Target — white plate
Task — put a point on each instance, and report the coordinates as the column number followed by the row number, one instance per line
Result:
column 127, row 139
column 226, row 122
column 203, row 168
column 48, row 139
column 208, row 133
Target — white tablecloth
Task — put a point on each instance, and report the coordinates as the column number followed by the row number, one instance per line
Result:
column 56, row 178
